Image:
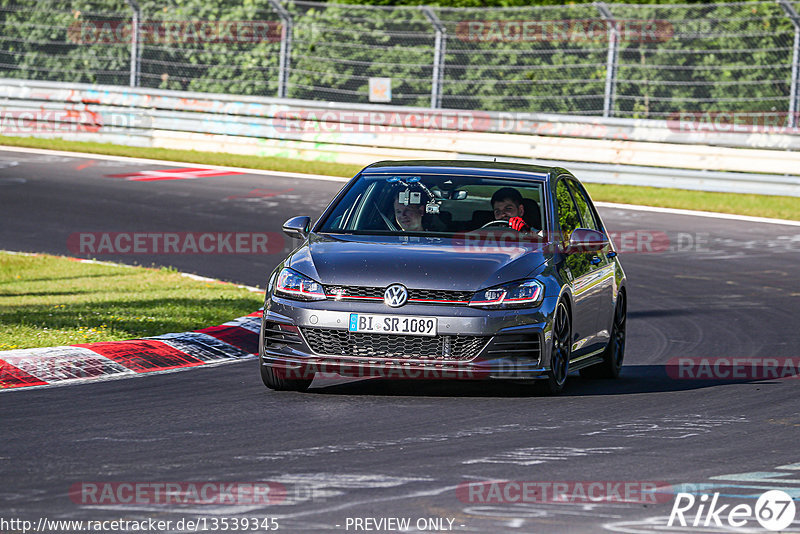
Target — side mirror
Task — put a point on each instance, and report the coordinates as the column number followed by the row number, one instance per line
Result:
column 586, row 240
column 297, row 227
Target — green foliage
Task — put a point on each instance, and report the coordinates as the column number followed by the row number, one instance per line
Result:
column 705, row 57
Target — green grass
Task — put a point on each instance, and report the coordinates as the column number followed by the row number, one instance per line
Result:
column 779, row 207
column 49, row 300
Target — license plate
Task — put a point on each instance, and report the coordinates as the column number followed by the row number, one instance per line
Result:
column 393, row 324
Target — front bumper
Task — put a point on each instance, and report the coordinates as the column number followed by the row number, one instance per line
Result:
column 307, row 338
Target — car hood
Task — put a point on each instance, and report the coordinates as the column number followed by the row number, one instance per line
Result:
column 416, row 262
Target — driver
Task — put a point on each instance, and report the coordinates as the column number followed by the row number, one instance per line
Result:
column 507, row 206
column 409, row 217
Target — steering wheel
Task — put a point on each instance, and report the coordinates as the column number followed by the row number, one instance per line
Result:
column 500, row 222
column 386, row 219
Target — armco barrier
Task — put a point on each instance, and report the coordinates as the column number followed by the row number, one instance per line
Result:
column 627, row 151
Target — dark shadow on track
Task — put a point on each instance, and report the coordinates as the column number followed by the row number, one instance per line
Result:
column 633, row 380
column 641, row 314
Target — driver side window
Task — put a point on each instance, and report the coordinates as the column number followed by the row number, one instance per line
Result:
column 568, row 217
column 583, row 207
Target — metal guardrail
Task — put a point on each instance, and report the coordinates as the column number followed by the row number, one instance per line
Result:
column 610, row 59
column 621, row 151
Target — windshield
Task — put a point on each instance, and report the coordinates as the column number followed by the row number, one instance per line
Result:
column 434, row 205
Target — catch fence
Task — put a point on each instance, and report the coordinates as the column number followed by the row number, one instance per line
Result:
column 601, row 59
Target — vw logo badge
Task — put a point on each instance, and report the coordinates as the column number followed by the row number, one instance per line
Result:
column 395, row 295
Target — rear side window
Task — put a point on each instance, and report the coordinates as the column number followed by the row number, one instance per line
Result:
column 585, row 210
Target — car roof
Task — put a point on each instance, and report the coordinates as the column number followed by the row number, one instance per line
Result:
column 463, row 167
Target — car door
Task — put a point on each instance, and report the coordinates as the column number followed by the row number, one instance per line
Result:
column 577, row 269
column 600, row 283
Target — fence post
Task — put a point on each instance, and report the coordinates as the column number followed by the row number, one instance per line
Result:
column 611, row 62
column 438, row 56
column 792, row 14
column 135, row 42
column 286, row 47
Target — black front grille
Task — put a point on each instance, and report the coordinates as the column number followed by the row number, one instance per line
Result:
column 418, row 296
column 280, row 334
column 355, row 292
column 345, row 343
column 461, row 297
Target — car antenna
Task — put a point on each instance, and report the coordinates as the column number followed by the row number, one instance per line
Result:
column 495, row 160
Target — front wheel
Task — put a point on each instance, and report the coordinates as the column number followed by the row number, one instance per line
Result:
column 615, row 350
column 562, row 350
column 278, row 379
column 281, row 379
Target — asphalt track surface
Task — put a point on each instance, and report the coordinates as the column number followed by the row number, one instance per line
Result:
column 378, row 449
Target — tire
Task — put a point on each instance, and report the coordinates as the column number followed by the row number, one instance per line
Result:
column 614, row 352
column 561, row 353
column 276, row 379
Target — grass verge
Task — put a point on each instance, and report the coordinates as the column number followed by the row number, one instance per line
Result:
column 776, row 207
column 50, row 300
column 779, row 207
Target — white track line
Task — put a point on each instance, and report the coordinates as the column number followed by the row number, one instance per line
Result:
column 206, row 279
column 709, row 214
column 321, row 177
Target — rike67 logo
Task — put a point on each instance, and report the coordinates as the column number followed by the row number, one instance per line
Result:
column 774, row 510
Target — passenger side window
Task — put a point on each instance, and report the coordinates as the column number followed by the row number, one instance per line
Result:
column 584, row 208
column 568, row 218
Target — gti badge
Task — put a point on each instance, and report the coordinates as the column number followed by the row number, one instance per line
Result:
column 395, row 295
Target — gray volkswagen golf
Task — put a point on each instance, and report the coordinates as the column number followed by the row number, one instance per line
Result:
column 448, row 269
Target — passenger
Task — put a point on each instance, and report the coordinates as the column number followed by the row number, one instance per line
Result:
column 507, row 206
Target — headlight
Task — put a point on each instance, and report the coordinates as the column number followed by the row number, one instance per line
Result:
column 294, row 285
column 524, row 294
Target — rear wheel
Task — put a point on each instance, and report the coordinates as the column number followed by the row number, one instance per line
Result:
column 614, row 352
column 560, row 355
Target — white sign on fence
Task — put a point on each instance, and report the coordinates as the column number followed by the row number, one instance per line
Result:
column 380, row 89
